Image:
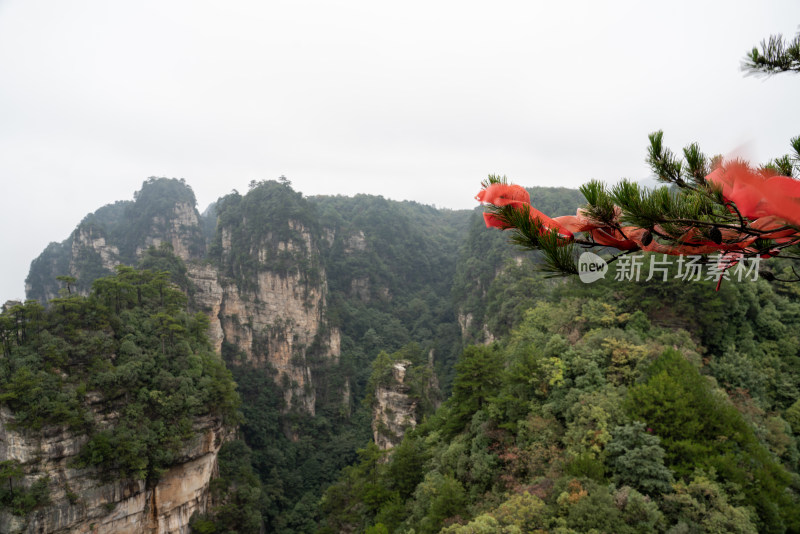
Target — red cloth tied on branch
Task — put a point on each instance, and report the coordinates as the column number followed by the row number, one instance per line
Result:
column 758, row 194
column 516, row 196
column 768, row 204
column 504, row 195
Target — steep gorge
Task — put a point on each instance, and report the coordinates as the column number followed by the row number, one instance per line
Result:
column 302, row 293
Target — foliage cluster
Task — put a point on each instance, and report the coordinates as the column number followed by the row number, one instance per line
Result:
column 776, row 55
column 595, row 416
column 265, row 230
column 127, row 365
column 15, row 496
column 236, row 494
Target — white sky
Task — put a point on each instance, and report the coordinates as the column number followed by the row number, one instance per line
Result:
column 410, row 100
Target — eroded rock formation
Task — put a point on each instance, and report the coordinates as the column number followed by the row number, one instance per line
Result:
column 277, row 317
column 274, row 319
column 82, row 501
column 394, row 410
column 180, row 227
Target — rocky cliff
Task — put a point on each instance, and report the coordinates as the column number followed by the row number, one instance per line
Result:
column 163, row 212
column 272, row 324
column 269, row 298
column 405, row 389
column 394, row 410
column 83, row 500
column 113, row 409
column 180, row 227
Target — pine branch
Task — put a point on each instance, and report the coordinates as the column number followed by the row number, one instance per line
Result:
column 775, row 56
column 600, row 206
column 559, row 258
column 529, row 233
column 782, row 166
column 796, row 146
column 693, row 215
column 697, row 164
column 663, row 162
column 525, row 231
column 494, row 179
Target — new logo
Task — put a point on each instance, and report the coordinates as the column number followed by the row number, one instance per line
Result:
column 591, row 267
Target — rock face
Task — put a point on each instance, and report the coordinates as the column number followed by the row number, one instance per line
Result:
column 90, row 240
column 275, row 319
column 86, row 250
column 208, row 298
column 279, row 318
column 81, row 502
column 180, row 227
column 394, row 410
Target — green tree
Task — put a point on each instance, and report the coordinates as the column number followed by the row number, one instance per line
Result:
column 793, row 417
column 478, row 378
column 701, row 429
column 637, row 460
column 237, row 494
column 701, row 505
column 17, row 498
column 68, row 281
column 10, row 470
column 483, row 524
column 438, row 497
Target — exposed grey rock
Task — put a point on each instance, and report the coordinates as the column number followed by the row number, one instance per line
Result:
column 82, row 502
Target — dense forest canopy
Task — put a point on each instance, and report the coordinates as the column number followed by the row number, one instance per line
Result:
column 616, row 407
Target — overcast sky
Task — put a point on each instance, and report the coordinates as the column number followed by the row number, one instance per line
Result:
column 409, row 100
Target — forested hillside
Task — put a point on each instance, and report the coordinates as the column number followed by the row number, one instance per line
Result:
column 360, row 275
column 388, row 267
column 616, row 406
column 104, row 399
